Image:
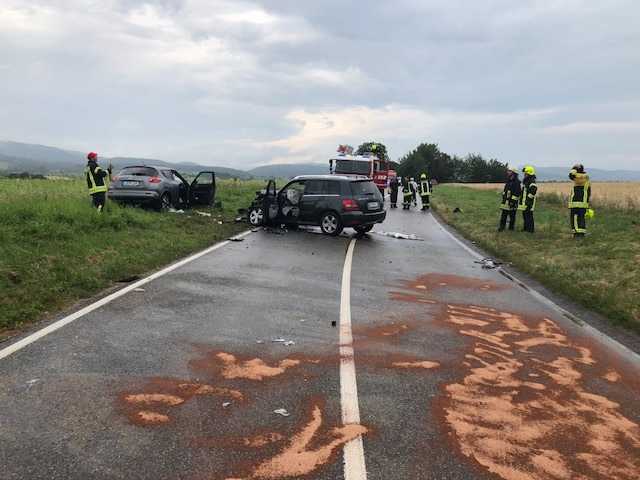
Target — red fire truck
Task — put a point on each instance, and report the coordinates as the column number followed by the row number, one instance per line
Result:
column 368, row 165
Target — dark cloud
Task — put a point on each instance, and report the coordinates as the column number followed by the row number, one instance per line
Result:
column 240, row 83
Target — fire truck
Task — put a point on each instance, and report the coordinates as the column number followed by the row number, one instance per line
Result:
column 367, row 165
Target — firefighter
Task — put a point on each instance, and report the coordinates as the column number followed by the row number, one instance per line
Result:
column 97, row 181
column 393, row 186
column 425, row 191
column 407, row 196
column 527, row 202
column 414, row 191
column 510, row 196
column 579, row 200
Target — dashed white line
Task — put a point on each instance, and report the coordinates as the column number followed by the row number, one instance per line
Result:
column 354, row 464
column 19, row 345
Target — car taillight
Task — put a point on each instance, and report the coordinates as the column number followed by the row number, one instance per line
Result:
column 349, row 205
column 155, row 180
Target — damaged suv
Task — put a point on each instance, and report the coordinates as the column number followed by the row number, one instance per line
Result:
column 331, row 202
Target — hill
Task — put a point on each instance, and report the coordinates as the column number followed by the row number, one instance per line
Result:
column 598, row 175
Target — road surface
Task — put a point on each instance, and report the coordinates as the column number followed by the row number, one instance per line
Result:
column 408, row 361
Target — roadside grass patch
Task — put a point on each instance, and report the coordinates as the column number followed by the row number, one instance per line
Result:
column 55, row 249
column 601, row 272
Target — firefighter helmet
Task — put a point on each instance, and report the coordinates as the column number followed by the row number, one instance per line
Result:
column 423, row 176
column 92, row 156
column 529, row 170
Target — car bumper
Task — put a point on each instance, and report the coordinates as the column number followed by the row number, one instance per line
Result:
column 134, row 196
column 361, row 218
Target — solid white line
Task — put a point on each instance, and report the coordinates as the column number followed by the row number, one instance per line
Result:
column 19, row 345
column 603, row 337
column 354, row 466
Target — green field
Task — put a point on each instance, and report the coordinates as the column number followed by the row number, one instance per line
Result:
column 601, row 271
column 55, row 249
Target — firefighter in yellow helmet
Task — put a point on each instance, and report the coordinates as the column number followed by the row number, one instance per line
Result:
column 425, row 191
column 527, row 202
column 579, row 200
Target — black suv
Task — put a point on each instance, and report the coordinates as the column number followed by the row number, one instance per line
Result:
column 331, row 201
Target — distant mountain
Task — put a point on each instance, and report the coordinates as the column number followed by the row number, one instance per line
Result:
column 546, row 174
column 290, row 170
column 41, row 159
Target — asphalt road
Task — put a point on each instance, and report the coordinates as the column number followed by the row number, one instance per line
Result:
column 459, row 373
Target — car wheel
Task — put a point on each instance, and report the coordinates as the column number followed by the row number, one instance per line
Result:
column 363, row 228
column 331, row 224
column 256, row 216
column 165, row 202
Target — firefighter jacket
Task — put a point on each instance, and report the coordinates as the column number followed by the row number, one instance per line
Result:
column 511, row 193
column 529, row 194
column 97, row 178
column 581, row 190
column 406, row 190
column 425, row 188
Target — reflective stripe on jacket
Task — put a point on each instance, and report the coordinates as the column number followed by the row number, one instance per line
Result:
column 511, row 194
column 97, row 178
column 581, row 190
column 529, row 195
column 425, row 188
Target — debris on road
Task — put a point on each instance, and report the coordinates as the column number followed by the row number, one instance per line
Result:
column 139, row 290
column 278, row 340
column 225, row 404
column 32, row 382
column 402, row 236
column 259, row 342
column 236, row 239
column 289, row 343
column 489, row 263
column 282, row 411
column 333, row 323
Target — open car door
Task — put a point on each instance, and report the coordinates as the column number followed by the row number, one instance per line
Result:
column 270, row 202
column 203, row 189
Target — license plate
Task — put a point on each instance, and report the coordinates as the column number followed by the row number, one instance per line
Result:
column 373, row 205
column 130, row 183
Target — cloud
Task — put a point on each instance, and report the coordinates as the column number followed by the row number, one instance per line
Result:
column 253, row 81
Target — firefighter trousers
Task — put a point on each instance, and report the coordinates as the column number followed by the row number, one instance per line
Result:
column 579, row 221
column 425, row 201
column 507, row 214
column 99, row 200
column 529, row 222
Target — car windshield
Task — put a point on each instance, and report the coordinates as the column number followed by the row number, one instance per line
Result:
column 352, row 166
column 366, row 187
column 139, row 171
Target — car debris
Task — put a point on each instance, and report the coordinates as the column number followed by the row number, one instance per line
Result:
column 489, row 263
column 402, row 236
column 282, row 411
column 139, row 289
column 278, row 340
column 236, row 239
column 225, row 404
column 173, row 210
column 289, row 343
column 457, row 210
column 259, row 342
column 32, row 382
column 202, row 214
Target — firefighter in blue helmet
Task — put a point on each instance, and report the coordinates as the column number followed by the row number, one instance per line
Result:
column 510, row 197
column 97, row 180
column 527, row 202
column 425, row 191
column 579, row 200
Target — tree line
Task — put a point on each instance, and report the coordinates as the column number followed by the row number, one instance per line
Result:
column 473, row 168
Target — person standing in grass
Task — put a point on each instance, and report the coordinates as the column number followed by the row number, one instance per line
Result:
column 579, row 200
column 510, row 197
column 527, row 203
column 97, row 181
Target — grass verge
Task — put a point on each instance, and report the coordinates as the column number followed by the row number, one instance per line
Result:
column 55, row 249
column 601, row 271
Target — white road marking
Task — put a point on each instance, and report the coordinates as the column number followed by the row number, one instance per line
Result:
column 623, row 350
column 19, row 345
column 354, row 465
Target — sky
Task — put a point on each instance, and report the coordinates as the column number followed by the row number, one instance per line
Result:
column 241, row 84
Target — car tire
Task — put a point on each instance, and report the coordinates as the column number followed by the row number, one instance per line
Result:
column 331, row 224
column 255, row 215
column 164, row 204
column 362, row 229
